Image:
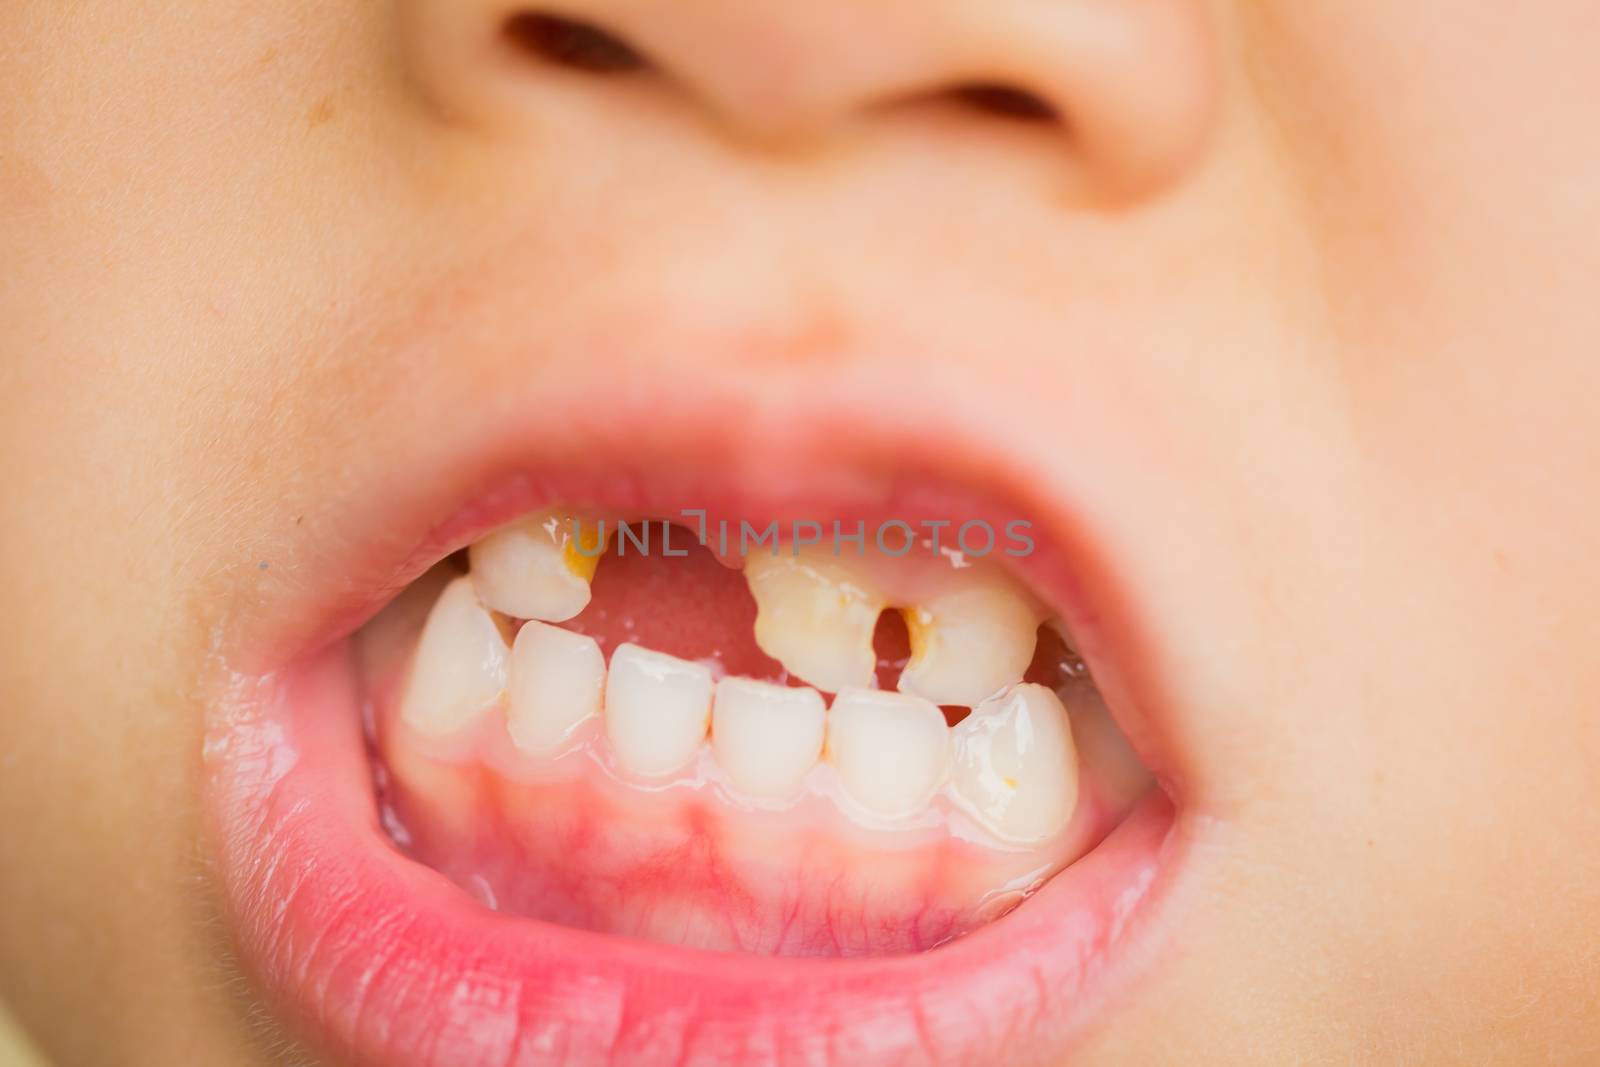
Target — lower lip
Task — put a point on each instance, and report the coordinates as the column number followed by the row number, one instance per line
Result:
column 376, row 959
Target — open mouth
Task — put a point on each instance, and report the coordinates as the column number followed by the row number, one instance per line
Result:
column 622, row 773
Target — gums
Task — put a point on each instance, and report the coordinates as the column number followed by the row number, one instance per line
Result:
column 574, row 841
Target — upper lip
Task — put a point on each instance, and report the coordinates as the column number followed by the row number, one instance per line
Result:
column 297, row 845
column 655, row 446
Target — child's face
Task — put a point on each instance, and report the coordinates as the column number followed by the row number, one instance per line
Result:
column 1277, row 321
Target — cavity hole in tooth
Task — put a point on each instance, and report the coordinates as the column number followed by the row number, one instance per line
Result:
column 572, row 43
column 891, row 642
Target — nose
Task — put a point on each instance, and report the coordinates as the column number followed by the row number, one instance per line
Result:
column 1127, row 87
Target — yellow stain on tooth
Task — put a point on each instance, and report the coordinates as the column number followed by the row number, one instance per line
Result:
column 919, row 626
column 532, row 569
column 815, row 617
column 582, row 552
column 970, row 639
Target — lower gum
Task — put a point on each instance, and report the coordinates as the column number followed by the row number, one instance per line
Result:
column 571, row 842
column 681, row 864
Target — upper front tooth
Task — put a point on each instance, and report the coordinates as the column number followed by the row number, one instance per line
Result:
column 657, row 710
column 556, row 680
column 970, row 642
column 766, row 737
column 816, row 617
column 892, row 750
column 1016, row 768
column 459, row 669
column 539, row 568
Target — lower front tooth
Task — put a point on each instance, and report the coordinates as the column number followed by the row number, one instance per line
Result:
column 892, row 750
column 460, row 666
column 557, row 677
column 657, row 710
column 1016, row 768
column 766, row 737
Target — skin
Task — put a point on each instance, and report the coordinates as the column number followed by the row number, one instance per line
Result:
column 1309, row 328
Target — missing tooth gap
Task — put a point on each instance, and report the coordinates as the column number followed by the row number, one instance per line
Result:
column 571, row 43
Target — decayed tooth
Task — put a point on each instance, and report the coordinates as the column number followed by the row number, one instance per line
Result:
column 556, row 680
column 534, row 569
column 459, row 669
column 657, row 710
column 1016, row 768
column 970, row 642
column 892, row 750
column 815, row 616
column 766, row 737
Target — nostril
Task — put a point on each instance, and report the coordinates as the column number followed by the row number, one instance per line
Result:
column 571, row 43
column 1006, row 101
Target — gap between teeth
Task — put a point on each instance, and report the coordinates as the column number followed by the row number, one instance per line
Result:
column 883, row 756
column 972, row 627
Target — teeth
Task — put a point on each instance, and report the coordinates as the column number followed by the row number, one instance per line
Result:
column 657, row 709
column 891, row 749
column 1016, row 768
column 556, row 680
column 816, row 617
column 766, row 737
column 970, row 642
column 459, row 669
column 533, row 569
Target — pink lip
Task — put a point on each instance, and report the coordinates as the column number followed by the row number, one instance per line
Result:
column 383, row 961
column 376, row 959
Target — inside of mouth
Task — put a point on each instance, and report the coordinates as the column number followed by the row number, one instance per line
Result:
column 790, row 748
